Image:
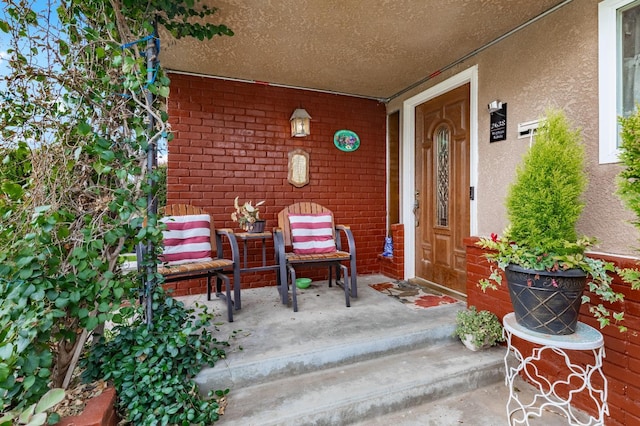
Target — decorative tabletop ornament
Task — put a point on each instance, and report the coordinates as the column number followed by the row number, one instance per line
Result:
column 247, row 215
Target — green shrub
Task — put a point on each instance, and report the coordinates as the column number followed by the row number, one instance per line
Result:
column 152, row 369
column 629, row 178
column 544, row 202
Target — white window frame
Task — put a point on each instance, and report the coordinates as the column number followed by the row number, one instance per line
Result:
column 608, row 78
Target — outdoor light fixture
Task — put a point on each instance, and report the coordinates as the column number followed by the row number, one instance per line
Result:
column 300, row 123
column 494, row 106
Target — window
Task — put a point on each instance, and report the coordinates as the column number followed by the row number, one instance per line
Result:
column 619, row 69
column 442, row 176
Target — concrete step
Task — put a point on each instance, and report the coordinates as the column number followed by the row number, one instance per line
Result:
column 360, row 390
column 485, row 406
column 238, row 372
column 375, row 363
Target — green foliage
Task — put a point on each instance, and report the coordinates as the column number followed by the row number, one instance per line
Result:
column 15, row 169
column 484, row 327
column 629, row 180
column 26, row 321
column 74, row 136
column 175, row 16
column 152, row 369
column 544, row 202
column 543, row 205
column 629, row 177
column 35, row 414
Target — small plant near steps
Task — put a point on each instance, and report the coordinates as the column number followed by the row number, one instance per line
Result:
column 478, row 329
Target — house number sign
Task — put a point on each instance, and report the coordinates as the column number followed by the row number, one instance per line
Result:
column 498, row 129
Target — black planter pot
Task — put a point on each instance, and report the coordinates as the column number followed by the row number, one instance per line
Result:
column 257, row 227
column 546, row 302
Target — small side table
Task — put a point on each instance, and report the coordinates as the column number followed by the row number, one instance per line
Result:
column 247, row 236
column 585, row 338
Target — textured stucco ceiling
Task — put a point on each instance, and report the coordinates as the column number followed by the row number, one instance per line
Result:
column 371, row 48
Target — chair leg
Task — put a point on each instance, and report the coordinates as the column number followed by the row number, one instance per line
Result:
column 294, row 287
column 218, row 286
column 330, row 275
column 339, row 276
column 346, row 285
column 227, row 297
column 354, row 279
column 282, row 284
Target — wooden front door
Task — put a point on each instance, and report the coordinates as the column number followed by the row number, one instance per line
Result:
column 442, row 189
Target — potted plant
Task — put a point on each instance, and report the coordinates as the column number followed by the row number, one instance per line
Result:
column 478, row 329
column 540, row 252
column 248, row 216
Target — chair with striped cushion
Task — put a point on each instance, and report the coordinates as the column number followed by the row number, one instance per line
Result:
column 306, row 236
column 188, row 252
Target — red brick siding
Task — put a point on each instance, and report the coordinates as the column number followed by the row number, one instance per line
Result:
column 233, row 139
column 622, row 362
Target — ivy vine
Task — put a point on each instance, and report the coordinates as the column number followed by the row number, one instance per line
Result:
column 78, row 115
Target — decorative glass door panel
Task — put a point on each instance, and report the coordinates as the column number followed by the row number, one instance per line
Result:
column 442, row 176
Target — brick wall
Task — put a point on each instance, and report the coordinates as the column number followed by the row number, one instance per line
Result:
column 99, row 411
column 622, row 362
column 233, row 139
column 393, row 267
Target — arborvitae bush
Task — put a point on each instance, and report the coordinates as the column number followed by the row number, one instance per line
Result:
column 544, row 202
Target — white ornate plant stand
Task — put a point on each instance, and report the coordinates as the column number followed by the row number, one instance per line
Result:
column 584, row 339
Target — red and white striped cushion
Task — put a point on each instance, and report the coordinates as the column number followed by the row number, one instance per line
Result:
column 312, row 233
column 186, row 239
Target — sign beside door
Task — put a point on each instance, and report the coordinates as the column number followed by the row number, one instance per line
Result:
column 498, row 126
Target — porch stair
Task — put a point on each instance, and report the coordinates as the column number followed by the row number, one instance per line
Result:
column 342, row 366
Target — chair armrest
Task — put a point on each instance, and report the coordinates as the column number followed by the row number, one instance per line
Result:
column 233, row 242
column 346, row 229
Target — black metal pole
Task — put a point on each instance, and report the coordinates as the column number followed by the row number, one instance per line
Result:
column 152, row 162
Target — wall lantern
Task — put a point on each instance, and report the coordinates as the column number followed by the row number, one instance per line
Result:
column 300, row 123
column 494, row 106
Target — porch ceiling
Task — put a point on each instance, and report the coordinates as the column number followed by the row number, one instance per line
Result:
column 372, row 48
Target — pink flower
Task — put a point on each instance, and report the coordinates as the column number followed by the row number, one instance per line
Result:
column 494, row 237
column 553, row 282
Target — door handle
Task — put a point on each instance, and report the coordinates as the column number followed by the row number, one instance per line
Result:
column 416, row 208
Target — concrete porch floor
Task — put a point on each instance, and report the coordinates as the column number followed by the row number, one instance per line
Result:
column 265, row 333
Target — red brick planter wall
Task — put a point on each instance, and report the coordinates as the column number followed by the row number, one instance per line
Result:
column 622, row 362
column 233, row 139
column 99, row 411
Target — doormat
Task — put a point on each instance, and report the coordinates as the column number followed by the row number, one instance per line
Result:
column 413, row 296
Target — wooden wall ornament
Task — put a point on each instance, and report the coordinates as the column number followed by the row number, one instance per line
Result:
column 298, row 168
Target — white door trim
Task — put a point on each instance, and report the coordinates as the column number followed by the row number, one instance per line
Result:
column 408, row 133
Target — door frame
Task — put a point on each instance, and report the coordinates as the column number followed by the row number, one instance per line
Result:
column 408, row 132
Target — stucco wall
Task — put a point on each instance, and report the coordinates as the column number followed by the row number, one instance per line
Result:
column 551, row 63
